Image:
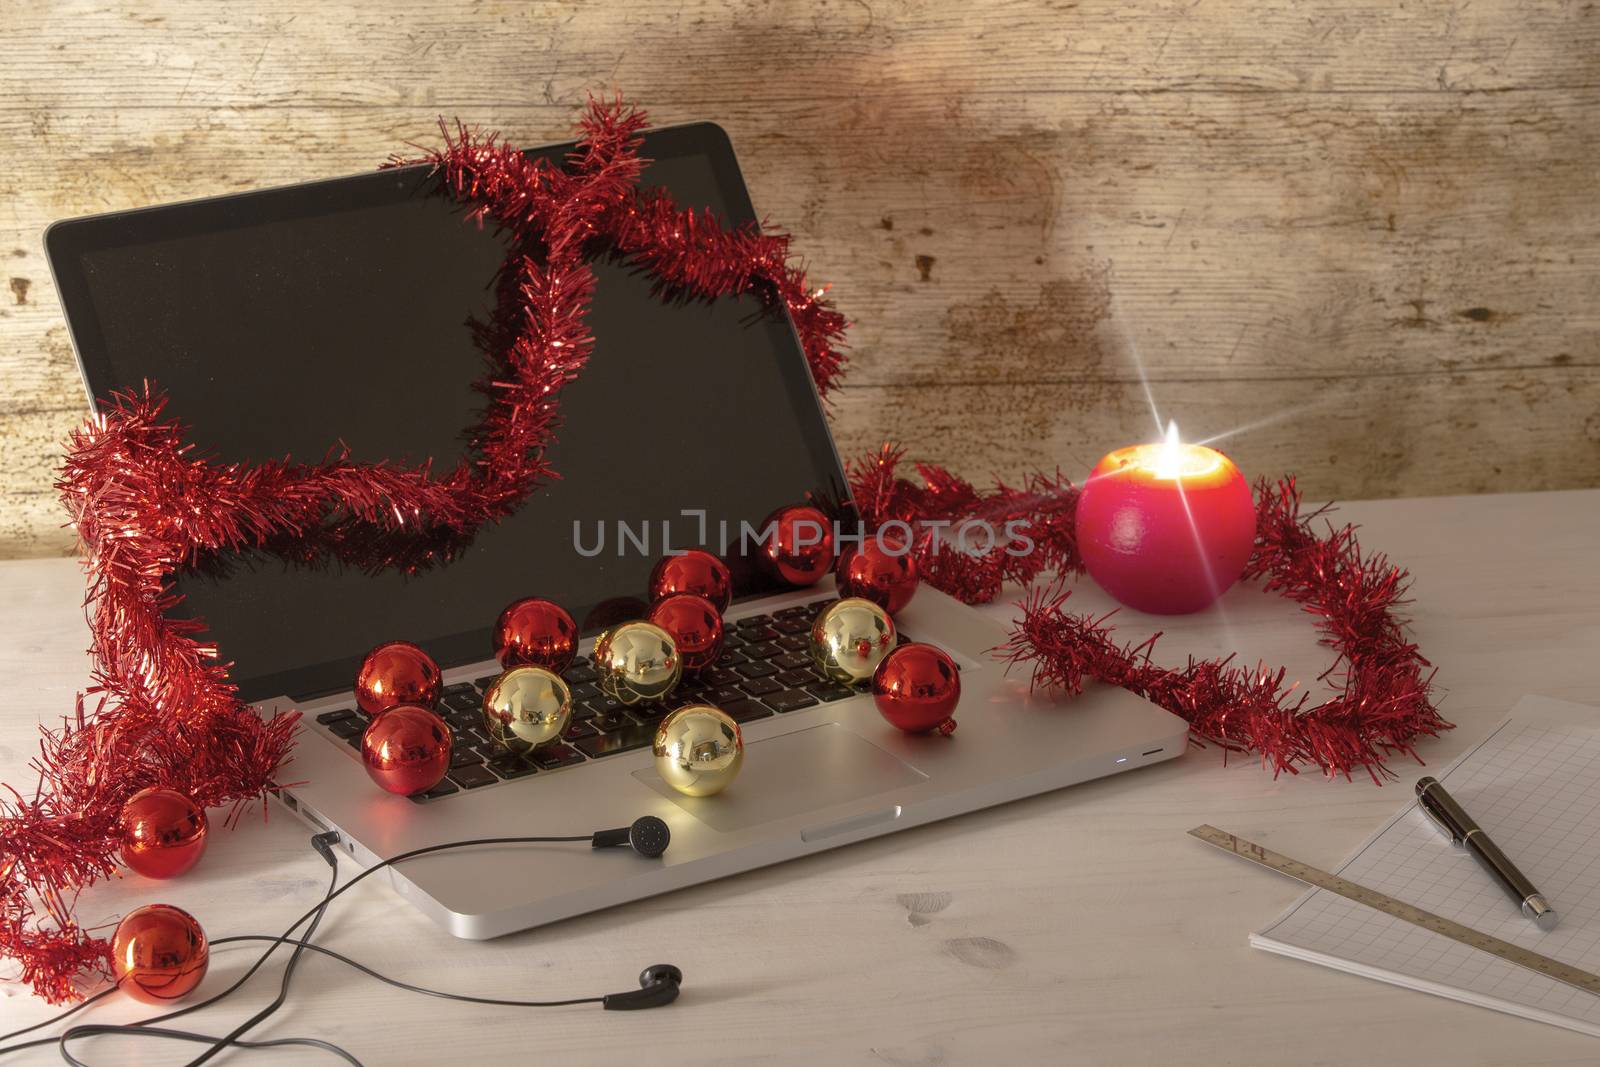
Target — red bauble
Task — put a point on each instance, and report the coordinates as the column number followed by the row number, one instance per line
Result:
column 534, row 632
column 397, row 672
column 916, row 687
column 695, row 625
column 695, row 571
column 163, row 833
column 406, row 749
column 159, row 953
column 881, row 570
column 798, row 544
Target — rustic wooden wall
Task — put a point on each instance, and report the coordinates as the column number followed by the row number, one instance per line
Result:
column 1367, row 230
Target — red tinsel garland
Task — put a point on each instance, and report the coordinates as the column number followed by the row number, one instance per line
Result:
column 147, row 507
column 1384, row 702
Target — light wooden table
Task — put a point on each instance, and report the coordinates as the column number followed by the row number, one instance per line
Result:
column 1079, row 927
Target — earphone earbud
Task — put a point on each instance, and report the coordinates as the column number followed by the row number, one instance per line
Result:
column 648, row 836
column 658, row 985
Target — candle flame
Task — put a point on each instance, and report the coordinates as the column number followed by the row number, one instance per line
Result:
column 1169, row 462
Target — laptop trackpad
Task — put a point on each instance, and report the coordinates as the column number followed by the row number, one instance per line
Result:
column 791, row 774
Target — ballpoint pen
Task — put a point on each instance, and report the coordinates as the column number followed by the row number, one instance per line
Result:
column 1464, row 832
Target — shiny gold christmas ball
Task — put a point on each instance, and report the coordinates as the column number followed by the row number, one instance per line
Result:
column 526, row 707
column 637, row 661
column 698, row 750
column 850, row 638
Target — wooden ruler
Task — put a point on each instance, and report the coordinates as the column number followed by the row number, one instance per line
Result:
column 1516, row 954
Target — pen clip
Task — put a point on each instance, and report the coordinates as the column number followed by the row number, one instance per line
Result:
column 1435, row 817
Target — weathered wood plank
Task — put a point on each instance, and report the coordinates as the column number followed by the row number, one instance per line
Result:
column 307, row 53
column 1021, row 204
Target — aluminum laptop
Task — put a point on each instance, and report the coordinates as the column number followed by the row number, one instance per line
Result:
column 292, row 320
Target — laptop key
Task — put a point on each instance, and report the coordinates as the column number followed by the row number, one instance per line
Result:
column 511, row 767
column 611, row 722
column 462, row 756
column 761, row 650
column 443, row 789
column 463, row 720
column 328, row 718
column 558, row 755
column 585, row 691
column 578, row 728
column 753, row 620
column 828, row 692
column 729, row 656
column 756, row 670
column 794, row 642
column 790, row 660
column 473, row 776
column 347, row 728
column 721, row 676
column 725, row 694
column 760, row 687
column 460, row 687
column 792, row 626
column 790, row 700
column 638, row 736
column 580, row 675
column 651, row 714
column 748, row 710
column 796, row 678
column 471, row 701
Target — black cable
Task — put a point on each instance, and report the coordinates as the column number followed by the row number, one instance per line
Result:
column 283, row 987
column 424, row 990
column 75, row 1009
column 91, row 1029
column 146, row 1026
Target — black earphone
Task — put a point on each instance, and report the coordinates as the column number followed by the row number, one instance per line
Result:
column 658, row 984
column 648, row 836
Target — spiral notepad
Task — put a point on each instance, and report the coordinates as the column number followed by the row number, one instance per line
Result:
column 1534, row 785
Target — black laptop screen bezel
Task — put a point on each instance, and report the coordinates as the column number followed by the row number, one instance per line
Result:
column 67, row 243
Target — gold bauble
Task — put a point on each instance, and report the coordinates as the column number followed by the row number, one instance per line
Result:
column 850, row 638
column 636, row 661
column 698, row 750
column 526, row 707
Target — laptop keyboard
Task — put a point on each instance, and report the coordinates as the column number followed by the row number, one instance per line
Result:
column 765, row 669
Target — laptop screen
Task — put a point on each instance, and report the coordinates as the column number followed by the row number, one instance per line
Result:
column 287, row 321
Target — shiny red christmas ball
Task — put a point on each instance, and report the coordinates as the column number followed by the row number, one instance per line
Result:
column 397, row 672
column 880, row 570
column 695, row 571
column 159, row 953
column 798, row 544
column 534, row 632
column 695, row 625
column 406, row 749
column 163, row 832
column 916, row 688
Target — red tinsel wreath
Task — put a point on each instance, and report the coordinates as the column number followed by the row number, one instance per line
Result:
column 1384, row 701
column 146, row 506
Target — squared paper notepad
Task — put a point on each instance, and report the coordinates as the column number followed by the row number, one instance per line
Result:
column 1534, row 786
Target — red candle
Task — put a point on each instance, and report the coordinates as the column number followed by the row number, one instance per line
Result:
column 1166, row 527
